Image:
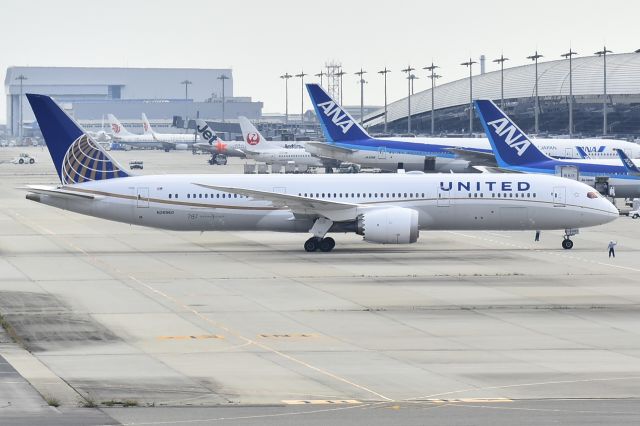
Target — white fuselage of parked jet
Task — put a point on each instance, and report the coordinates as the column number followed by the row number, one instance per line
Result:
column 443, row 202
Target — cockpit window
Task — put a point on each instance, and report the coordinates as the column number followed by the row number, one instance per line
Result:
column 592, row 195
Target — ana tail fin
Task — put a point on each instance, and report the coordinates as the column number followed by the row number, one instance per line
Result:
column 511, row 146
column 337, row 124
column 77, row 157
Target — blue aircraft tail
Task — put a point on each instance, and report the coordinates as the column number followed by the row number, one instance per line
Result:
column 628, row 162
column 511, row 146
column 337, row 124
column 77, row 157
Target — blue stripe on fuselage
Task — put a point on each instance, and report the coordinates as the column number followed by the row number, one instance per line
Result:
column 400, row 147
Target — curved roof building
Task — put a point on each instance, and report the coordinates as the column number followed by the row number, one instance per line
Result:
column 452, row 99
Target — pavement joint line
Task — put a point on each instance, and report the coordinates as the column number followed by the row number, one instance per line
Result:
column 220, row 325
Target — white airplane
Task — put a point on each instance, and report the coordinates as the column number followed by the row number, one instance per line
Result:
column 385, row 209
column 121, row 135
column 178, row 141
column 258, row 148
column 349, row 142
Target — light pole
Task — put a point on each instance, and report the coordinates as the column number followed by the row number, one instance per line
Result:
column 384, row 73
column 21, row 78
column 320, row 74
column 413, row 77
column 469, row 64
column 301, row 77
column 362, row 82
column 286, row 76
column 501, row 60
column 603, row 53
column 222, row 78
column 569, row 55
column 186, row 88
column 536, row 112
column 408, row 70
column 340, row 74
column 433, row 77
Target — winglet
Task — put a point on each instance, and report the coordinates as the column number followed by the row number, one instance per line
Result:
column 511, row 146
column 337, row 124
column 627, row 162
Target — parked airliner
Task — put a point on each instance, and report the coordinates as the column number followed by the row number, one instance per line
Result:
column 514, row 151
column 258, row 148
column 219, row 149
column 121, row 135
column 348, row 141
column 386, row 209
column 178, row 141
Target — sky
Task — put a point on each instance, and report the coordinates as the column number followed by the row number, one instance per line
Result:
column 262, row 40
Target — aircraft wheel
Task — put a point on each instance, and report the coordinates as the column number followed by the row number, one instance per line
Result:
column 567, row 244
column 635, row 216
column 327, row 244
column 312, row 244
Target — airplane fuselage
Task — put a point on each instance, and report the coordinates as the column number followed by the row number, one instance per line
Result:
column 443, row 201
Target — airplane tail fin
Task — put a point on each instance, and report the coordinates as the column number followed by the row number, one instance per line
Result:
column 146, row 125
column 253, row 139
column 206, row 133
column 77, row 157
column 116, row 127
column 511, row 146
column 628, row 162
column 337, row 124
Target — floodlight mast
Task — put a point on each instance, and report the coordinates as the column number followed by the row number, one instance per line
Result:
column 384, row 73
column 535, row 58
column 433, row 76
column 569, row 55
column 469, row 64
column 286, row 76
column 501, row 61
column 603, row 53
column 408, row 70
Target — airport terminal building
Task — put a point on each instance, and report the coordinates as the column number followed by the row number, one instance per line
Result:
column 89, row 94
column 451, row 103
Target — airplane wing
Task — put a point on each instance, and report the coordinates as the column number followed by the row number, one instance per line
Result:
column 327, row 148
column 60, row 192
column 333, row 210
column 493, row 169
column 473, row 156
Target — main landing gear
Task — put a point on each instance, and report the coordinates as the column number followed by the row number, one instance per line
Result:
column 322, row 244
column 319, row 242
column 567, row 244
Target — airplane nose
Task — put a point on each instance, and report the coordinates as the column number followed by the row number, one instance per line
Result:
column 612, row 211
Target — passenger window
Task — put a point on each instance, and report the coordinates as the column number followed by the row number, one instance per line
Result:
column 169, row 196
column 188, row 195
column 218, row 195
column 176, row 195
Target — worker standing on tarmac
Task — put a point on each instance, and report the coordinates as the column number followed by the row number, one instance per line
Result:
column 612, row 248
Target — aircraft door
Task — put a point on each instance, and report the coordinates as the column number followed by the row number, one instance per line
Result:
column 559, row 196
column 142, row 198
column 429, row 164
column 382, row 153
column 569, row 153
column 444, row 198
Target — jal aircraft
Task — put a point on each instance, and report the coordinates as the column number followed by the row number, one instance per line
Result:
column 178, row 141
column 385, row 209
column 121, row 135
column 348, row 141
column 258, row 148
column 514, row 151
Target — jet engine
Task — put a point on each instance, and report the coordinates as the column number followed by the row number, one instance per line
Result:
column 393, row 225
column 181, row 146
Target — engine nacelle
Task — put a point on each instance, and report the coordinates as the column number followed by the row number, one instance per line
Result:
column 181, row 146
column 393, row 225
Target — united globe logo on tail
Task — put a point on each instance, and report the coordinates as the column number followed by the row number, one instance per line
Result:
column 512, row 137
column 253, row 138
